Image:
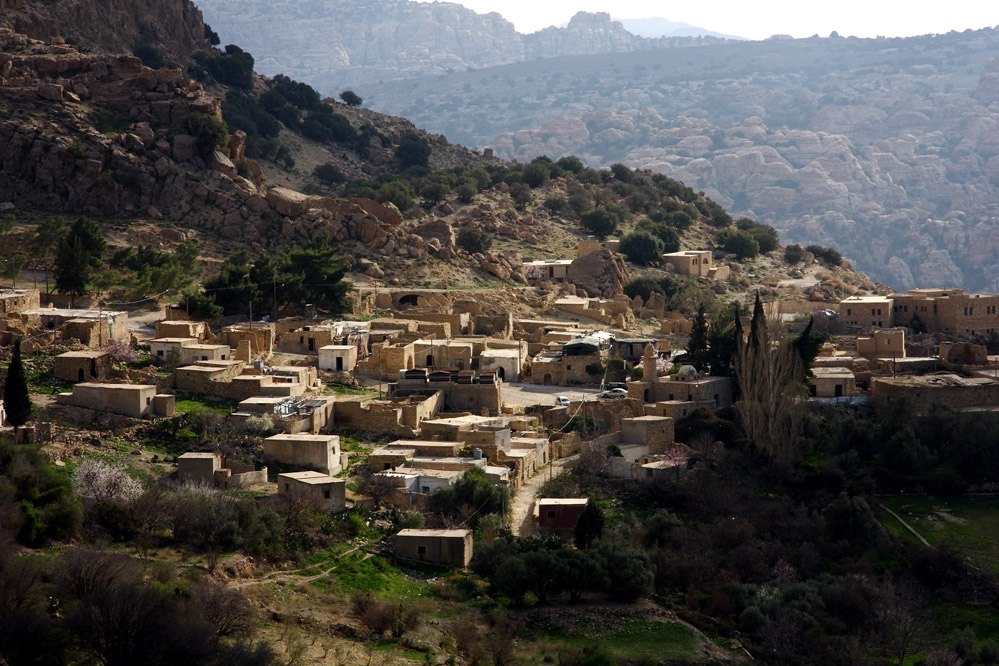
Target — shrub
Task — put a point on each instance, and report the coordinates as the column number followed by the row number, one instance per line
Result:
column 413, row 150
column 646, row 286
column 826, row 255
column 328, row 174
column 434, row 193
column 521, row 195
column 151, row 56
column 536, row 173
column 571, row 164
column 466, row 192
column 350, row 98
column 667, row 235
column 601, row 221
column 740, row 243
column 794, row 254
column 642, row 248
column 397, row 192
column 210, row 132
column 765, row 235
column 473, row 240
column 579, row 200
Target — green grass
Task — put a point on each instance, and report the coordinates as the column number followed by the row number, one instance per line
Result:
column 341, row 389
column 639, row 641
column 358, row 573
column 967, row 525
column 195, row 404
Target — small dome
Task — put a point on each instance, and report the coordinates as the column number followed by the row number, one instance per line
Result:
column 688, row 370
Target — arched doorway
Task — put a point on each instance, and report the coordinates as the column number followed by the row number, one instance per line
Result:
column 502, row 373
column 548, row 379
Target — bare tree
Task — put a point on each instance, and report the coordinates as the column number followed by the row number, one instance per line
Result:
column 771, row 393
column 899, row 627
column 378, row 487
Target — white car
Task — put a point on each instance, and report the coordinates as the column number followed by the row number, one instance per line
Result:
column 562, row 401
column 614, row 393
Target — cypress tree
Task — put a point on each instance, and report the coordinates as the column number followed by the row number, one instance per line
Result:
column 697, row 346
column 16, row 399
column 589, row 526
column 758, row 337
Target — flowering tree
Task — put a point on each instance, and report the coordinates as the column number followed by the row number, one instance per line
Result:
column 99, row 483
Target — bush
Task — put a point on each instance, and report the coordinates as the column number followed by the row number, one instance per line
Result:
column 642, row 248
column 466, row 193
column 601, row 222
column 571, row 164
column 413, row 150
column 350, row 98
column 741, row 243
column 473, row 240
column 328, row 174
column 667, row 235
column 397, row 192
column 234, row 66
column 579, row 200
column 210, row 132
column 794, row 254
column 765, row 235
column 826, row 255
column 521, row 195
column 433, row 193
column 151, row 56
column 645, row 287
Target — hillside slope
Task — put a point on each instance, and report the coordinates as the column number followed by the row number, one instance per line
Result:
column 886, row 148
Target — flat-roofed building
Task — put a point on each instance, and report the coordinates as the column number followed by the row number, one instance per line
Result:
column 315, row 452
column 449, row 548
column 321, row 490
column 866, row 311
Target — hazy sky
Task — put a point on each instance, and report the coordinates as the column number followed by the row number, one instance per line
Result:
column 760, row 19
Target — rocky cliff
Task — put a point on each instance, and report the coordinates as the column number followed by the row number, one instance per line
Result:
column 332, row 45
column 174, row 28
column 887, row 149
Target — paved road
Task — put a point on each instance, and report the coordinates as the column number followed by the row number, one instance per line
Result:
column 525, row 395
column 522, row 506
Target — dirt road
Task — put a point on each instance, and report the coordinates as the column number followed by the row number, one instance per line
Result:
column 522, row 506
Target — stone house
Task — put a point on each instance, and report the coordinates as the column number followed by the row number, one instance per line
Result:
column 449, row 548
column 866, row 311
column 208, row 468
column 559, row 515
column 83, row 366
column 574, row 363
column 321, row 490
column 338, row 358
column 463, row 390
column 182, row 329
column 135, row 400
column 551, row 270
column 504, row 363
column 882, row 343
column 13, row 301
column 948, row 389
column 398, row 415
column 445, row 354
column 260, row 335
column 165, row 350
column 832, row 382
column 695, row 263
column 654, row 432
column 948, row 310
column 315, row 452
column 290, row 415
column 93, row 328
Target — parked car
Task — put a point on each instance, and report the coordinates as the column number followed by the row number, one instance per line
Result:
column 614, row 393
column 562, row 401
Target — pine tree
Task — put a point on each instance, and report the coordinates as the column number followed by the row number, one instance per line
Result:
column 16, row 399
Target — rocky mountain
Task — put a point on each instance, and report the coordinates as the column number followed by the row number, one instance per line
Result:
column 173, row 28
column 333, row 44
column 886, row 148
column 662, row 27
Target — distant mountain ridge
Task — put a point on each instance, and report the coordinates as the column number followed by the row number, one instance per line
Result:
column 886, row 148
column 332, row 44
column 657, row 26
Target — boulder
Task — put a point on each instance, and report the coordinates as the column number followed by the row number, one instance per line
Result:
column 598, row 273
column 50, row 91
column 288, row 202
column 386, row 213
column 436, row 229
column 185, row 147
